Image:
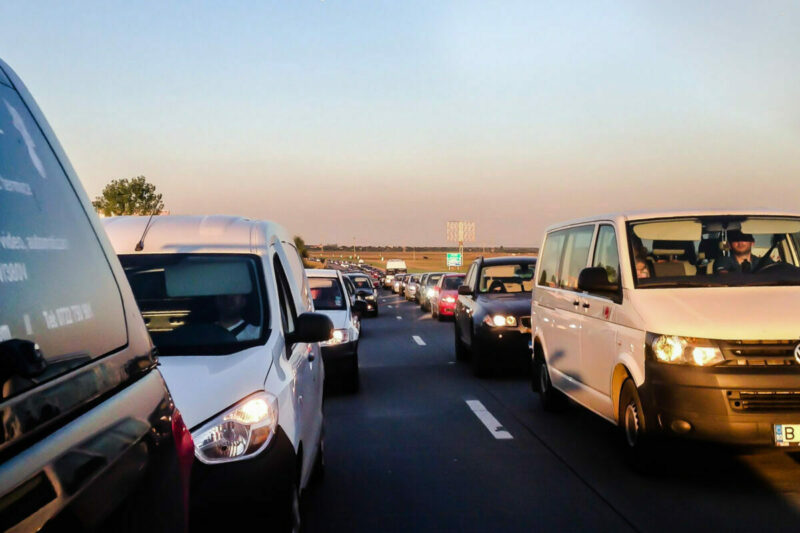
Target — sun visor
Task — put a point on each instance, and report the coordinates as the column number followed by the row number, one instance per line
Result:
column 675, row 230
column 206, row 277
column 760, row 226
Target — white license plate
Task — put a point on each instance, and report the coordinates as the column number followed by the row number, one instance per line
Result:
column 787, row 434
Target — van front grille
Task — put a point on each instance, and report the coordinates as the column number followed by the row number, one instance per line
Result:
column 759, row 353
column 764, row 401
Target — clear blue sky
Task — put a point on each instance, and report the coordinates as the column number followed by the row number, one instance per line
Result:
column 381, row 120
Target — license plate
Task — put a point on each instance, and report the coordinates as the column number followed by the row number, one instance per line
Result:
column 787, row 434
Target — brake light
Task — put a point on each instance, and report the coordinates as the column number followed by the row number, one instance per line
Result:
column 184, row 446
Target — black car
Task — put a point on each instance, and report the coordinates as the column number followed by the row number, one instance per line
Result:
column 493, row 313
column 365, row 292
column 90, row 438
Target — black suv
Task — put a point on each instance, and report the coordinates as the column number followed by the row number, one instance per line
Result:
column 90, row 438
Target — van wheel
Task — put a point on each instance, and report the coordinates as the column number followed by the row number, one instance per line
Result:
column 638, row 445
column 553, row 400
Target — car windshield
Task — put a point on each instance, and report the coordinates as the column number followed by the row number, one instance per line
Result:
column 715, row 251
column 327, row 294
column 432, row 280
column 451, row 283
column 509, row 278
column 199, row 304
column 361, row 282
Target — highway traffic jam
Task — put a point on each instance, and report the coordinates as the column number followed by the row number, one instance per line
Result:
column 172, row 373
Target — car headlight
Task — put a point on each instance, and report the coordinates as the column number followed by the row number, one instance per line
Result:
column 449, row 299
column 429, row 293
column 675, row 350
column 238, row 433
column 339, row 336
column 371, row 297
column 497, row 321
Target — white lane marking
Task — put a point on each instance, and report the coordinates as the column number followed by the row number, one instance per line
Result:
column 418, row 340
column 399, row 317
column 389, row 306
column 492, row 424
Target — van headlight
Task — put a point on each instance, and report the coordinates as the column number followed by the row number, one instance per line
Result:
column 238, row 433
column 672, row 349
column 498, row 321
column 339, row 336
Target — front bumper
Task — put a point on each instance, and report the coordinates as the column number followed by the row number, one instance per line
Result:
column 446, row 309
column 731, row 405
column 266, row 478
column 504, row 343
column 337, row 352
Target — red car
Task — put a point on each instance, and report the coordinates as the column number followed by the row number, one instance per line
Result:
column 445, row 294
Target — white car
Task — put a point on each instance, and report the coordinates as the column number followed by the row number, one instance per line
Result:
column 674, row 324
column 227, row 303
column 340, row 353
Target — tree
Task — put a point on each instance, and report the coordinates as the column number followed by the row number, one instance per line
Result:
column 129, row 197
column 300, row 244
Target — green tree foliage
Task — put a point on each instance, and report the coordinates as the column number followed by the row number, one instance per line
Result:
column 300, row 244
column 133, row 196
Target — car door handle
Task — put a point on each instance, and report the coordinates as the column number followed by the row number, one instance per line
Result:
column 576, row 303
column 586, row 306
column 311, row 356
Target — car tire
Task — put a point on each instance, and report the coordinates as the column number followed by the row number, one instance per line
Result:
column 553, row 400
column 290, row 520
column 318, row 472
column 353, row 379
column 638, row 445
column 461, row 350
column 480, row 362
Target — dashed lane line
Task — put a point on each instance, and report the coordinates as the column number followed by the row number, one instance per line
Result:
column 418, row 340
column 492, row 424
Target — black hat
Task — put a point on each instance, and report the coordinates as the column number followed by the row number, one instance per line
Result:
column 735, row 235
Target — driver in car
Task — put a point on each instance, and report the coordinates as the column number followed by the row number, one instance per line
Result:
column 231, row 308
column 741, row 259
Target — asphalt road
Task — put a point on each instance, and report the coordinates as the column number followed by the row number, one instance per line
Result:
column 409, row 453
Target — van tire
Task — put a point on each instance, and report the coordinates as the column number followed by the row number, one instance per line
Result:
column 553, row 400
column 638, row 445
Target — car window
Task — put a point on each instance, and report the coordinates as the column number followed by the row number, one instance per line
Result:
column 576, row 254
column 199, row 304
column 551, row 258
column 452, row 283
column 327, row 294
column 361, row 282
column 56, row 285
column 298, row 273
column 432, row 279
column 605, row 253
column 470, row 279
column 288, row 313
column 511, row 278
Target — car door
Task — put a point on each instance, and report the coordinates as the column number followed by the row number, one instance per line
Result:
column 567, row 316
column 466, row 304
column 598, row 336
column 302, row 359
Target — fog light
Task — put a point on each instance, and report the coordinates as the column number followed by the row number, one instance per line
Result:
column 680, row 426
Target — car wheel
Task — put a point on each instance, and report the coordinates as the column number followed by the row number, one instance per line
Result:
column 291, row 521
column 318, row 473
column 461, row 351
column 638, row 445
column 480, row 362
column 553, row 400
column 353, row 380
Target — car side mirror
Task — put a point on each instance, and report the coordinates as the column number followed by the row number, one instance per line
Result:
column 311, row 327
column 465, row 290
column 595, row 280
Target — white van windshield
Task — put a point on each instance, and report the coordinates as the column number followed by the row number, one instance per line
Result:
column 199, row 304
column 715, row 251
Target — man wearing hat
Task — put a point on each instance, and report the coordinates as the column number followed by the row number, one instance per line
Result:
column 741, row 258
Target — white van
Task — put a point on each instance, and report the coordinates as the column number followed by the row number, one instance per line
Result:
column 227, row 304
column 393, row 267
column 340, row 353
column 682, row 324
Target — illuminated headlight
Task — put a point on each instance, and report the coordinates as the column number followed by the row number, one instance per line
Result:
column 429, row 292
column 371, row 297
column 500, row 320
column 238, row 433
column 339, row 336
column 449, row 299
column 684, row 351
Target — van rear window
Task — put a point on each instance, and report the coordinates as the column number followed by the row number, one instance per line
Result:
column 56, row 285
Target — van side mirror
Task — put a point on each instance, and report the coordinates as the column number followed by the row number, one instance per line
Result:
column 595, row 280
column 465, row 290
column 311, row 327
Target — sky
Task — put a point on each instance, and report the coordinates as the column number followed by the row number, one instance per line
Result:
column 381, row 120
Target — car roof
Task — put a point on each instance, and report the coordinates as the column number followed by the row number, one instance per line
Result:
column 322, row 273
column 625, row 216
column 193, row 234
column 509, row 259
